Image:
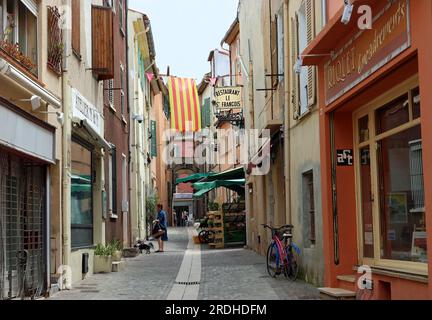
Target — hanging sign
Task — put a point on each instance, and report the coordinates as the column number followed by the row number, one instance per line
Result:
column 228, row 98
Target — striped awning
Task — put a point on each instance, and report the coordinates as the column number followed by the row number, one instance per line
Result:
column 184, row 102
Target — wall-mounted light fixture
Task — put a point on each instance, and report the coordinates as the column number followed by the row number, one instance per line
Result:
column 348, row 9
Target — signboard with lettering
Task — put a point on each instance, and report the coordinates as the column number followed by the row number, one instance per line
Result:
column 345, row 158
column 84, row 110
column 228, row 98
column 368, row 50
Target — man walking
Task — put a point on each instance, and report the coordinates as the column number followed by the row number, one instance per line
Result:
column 162, row 219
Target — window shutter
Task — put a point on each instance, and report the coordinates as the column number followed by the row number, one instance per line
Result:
column 76, row 27
column 206, row 114
column 274, row 51
column 310, row 18
column 103, row 42
column 295, row 76
column 281, row 49
column 153, row 139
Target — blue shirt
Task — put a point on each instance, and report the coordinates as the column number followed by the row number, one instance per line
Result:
column 162, row 219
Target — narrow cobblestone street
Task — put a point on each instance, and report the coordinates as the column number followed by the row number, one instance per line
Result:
column 232, row 274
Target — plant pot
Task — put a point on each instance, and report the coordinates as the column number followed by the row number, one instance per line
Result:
column 102, row 264
column 117, row 256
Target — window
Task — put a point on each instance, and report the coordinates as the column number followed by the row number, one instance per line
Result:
column 280, row 45
column 55, row 40
column 121, row 14
column 19, row 26
column 304, row 82
column 122, row 86
column 309, row 209
column 392, row 215
column 81, row 196
column 302, row 36
column 124, row 184
column 109, row 85
column 76, row 28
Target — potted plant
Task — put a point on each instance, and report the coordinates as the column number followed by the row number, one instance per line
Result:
column 117, row 250
column 103, row 259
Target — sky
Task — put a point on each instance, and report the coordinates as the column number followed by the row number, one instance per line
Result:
column 185, row 31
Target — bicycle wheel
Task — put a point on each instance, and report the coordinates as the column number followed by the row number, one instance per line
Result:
column 292, row 267
column 273, row 261
column 203, row 236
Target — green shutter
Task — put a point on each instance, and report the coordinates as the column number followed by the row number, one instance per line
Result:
column 153, row 139
column 206, row 114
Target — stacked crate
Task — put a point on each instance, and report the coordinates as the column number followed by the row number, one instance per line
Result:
column 218, row 228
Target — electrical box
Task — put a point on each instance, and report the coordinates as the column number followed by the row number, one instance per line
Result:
column 85, row 260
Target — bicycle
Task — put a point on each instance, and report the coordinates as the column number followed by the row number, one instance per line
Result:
column 282, row 253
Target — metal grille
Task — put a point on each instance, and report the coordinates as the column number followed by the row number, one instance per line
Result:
column 55, row 40
column 22, row 194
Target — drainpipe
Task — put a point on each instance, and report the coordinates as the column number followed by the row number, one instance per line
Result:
column 287, row 114
column 66, row 172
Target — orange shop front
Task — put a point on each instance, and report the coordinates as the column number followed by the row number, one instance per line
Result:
column 376, row 149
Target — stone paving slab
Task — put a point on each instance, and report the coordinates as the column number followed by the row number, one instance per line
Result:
column 227, row 274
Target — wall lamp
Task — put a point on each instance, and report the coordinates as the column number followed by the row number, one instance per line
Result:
column 346, row 16
column 299, row 63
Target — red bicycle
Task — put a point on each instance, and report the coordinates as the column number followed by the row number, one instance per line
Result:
column 282, row 253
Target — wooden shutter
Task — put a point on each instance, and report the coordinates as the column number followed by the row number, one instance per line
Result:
column 76, row 27
column 310, row 20
column 103, row 42
column 274, row 52
column 153, row 139
column 295, row 77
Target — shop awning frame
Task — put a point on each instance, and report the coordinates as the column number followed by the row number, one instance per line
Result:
column 203, row 188
column 194, row 177
column 95, row 135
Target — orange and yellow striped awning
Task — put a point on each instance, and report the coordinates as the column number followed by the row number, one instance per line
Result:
column 185, row 107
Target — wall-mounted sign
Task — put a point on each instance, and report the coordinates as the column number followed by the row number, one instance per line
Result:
column 228, row 98
column 82, row 109
column 345, row 157
column 368, row 50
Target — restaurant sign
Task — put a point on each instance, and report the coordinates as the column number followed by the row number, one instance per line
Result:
column 82, row 109
column 368, row 50
column 228, row 98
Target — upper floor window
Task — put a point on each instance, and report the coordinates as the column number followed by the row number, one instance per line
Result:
column 304, row 80
column 18, row 32
column 121, row 14
column 76, row 28
column 122, row 91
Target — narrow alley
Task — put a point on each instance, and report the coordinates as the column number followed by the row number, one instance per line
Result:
column 239, row 274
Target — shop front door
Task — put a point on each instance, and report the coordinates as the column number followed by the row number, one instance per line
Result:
column 22, row 221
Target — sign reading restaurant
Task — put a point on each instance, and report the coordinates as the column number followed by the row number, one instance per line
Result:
column 368, row 50
column 228, row 98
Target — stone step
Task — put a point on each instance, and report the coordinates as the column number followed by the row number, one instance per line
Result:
column 347, row 278
column 118, row 266
column 336, row 294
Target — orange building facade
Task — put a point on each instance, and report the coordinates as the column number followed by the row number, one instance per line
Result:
column 376, row 147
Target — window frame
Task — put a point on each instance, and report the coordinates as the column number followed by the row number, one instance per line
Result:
column 370, row 110
column 90, row 148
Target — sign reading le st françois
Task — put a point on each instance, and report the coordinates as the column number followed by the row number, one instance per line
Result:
column 228, row 98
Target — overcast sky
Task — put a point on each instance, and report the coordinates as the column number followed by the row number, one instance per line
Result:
column 185, row 31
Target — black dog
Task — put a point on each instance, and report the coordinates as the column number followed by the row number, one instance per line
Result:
column 141, row 245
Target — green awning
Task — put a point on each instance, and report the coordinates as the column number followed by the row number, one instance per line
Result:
column 236, row 185
column 232, row 174
column 194, row 177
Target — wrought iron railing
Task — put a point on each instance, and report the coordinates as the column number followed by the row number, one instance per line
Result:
column 55, row 40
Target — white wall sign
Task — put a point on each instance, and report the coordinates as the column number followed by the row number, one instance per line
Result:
column 84, row 110
column 228, row 98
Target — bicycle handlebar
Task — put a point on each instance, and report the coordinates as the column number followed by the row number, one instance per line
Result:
column 288, row 226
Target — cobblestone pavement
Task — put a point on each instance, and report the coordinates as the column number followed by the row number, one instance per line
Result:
column 232, row 274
